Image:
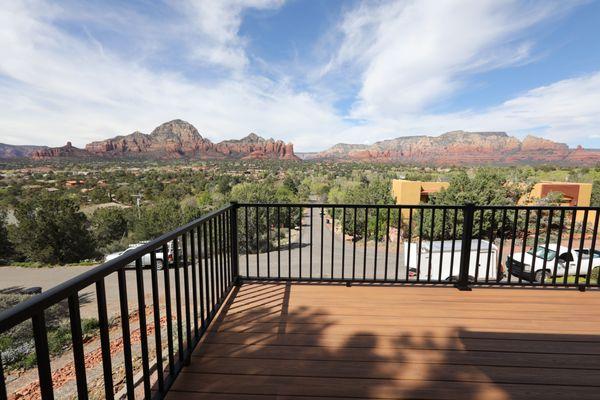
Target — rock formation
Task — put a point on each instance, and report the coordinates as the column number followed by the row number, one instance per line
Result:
column 464, row 148
column 175, row 139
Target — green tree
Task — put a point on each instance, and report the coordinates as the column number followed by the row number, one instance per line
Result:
column 254, row 232
column 5, row 244
column 486, row 188
column 595, row 200
column 52, row 230
column 109, row 225
column 157, row 219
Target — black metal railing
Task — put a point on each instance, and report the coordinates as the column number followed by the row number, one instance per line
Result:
column 463, row 246
column 198, row 271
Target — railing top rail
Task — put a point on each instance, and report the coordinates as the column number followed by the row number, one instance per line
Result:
column 419, row 206
column 29, row 307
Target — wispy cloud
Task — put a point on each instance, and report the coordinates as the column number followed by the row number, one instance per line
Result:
column 412, row 54
column 81, row 72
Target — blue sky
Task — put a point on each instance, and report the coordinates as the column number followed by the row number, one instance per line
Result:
column 311, row 72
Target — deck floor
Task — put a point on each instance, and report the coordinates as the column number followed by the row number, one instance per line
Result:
column 317, row 341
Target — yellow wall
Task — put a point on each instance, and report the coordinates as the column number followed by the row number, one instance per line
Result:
column 583, row 199
column 409, row 192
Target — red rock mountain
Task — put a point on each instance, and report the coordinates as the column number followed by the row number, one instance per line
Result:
column 175, row 139
column 464, row 148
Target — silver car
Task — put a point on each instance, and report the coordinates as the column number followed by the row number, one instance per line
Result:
column 146, row 262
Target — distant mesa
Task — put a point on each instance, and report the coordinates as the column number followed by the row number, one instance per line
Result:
column 179, row 139
column 463, row 148
column 171, row 140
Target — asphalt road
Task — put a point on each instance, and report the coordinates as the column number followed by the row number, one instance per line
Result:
column 329, row 256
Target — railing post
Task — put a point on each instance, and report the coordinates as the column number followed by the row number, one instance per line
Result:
column 465, row 250
column 234, row 242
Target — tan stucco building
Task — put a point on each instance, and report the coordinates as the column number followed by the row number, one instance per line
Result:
column 573, row 195
column 414, row 192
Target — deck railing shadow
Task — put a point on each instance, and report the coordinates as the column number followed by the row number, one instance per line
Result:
column 284, row 350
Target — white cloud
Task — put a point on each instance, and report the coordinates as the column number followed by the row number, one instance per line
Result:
column 413, row 54
column 56, row 85
column 217, row 24
column 566, row 111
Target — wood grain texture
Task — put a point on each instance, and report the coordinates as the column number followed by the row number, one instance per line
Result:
column 300, row 341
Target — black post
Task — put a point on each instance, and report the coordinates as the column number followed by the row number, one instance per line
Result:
column 465, row 251
column 234, row 242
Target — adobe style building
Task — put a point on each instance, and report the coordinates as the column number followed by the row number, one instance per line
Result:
column 414, row 192
column 573, row 195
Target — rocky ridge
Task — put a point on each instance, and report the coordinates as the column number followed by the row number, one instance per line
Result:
column 463, row 148
column 174, row 139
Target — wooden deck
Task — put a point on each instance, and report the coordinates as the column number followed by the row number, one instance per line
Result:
column 301, row 341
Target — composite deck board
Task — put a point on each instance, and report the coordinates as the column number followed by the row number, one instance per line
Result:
column 304, row 341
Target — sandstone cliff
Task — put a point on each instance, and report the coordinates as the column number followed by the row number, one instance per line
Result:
column 175, row 139
column 464, row 148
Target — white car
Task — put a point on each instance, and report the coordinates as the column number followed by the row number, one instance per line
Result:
column 146, row 262
column 520, row 265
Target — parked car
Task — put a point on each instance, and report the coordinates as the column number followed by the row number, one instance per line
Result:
column 146, row 261
column 522, row 266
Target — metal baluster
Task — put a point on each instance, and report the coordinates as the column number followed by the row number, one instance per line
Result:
column 592, row 249
column 546, row 246
column 570, row 246
column 157, row 325
column 453, row 246
column 40, row 336
column 501, row 251
column 512, row 245
column 490, row 243
column 478, row 257
column 77, row 340
column 366, row 239
column 3, row 395
column 278, row 242
column 126, row 333
column 343, row 242
column 431, row 235
column 420, row 248
column 443, row 234
column 376, row 242
column 398, row 243
column 268, row 244
column 169, row 314
column 207, row 275
column 257, row 246
column 535, row 241
column 311, row 242
column 186, row 298
column 193, row 283
column 213, row 268
column 104, row 340
column 354, row 246
column 332, row 240
column 247, row 242
column 525, row 235
column 178, row 299
column 410, row 217
column 558, row 241
column 289, row 242
column 581, row 244
column 322, row 239
column 387, row 244
column 143, row 328
column 300, row 245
